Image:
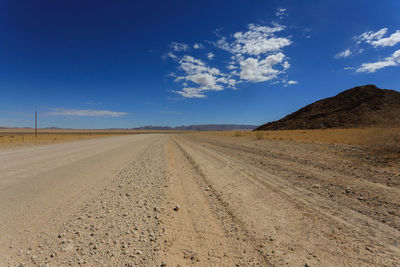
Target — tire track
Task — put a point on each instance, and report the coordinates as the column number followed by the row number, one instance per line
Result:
column 202, row 232
column 356, row 230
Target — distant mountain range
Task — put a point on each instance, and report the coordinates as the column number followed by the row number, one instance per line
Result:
column 201, row 127
column 362, row 106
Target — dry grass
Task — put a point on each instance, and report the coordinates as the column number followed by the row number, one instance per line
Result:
column 259, row 135
column 238, row 133
column 19, row 139
column 22, row 137
column 382, row 143
column 356, row 137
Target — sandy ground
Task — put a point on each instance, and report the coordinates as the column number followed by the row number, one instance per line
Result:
column 194, row 199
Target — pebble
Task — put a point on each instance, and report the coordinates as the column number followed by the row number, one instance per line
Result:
column 101, row 232
column 66, row 248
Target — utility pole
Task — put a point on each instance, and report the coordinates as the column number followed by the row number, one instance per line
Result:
column 35, row 124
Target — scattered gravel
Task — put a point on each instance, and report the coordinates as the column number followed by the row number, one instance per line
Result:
column 116, row 228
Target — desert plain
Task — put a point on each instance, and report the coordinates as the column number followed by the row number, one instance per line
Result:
column 238, row 198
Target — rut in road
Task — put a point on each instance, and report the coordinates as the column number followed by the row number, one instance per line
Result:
column 202, row 231
column 304, row 227
column 131, row 221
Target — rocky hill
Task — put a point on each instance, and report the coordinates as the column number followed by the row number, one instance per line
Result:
column 362, row 106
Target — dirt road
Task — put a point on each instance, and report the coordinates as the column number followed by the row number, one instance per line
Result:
column 196, row 199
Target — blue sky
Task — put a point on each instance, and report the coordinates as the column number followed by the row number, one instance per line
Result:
column 102, row 64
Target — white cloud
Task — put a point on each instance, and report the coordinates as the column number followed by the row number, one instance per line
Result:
column 189, row 92
column 286, row 65
column 172, row 55
column 255, row 70
column 371, row 36
column 179, row 46
column 85, row 113
column 257, row 40
column 202, row 77
column 198, row 46
column 389, row 41
column 171, row 74
column 393, row 60
column 376, row 39
column 94, row 103
column 344, row 54
column 179, row 78
column 250, row 47
column 232, row 82
column 291, row 82
column 280, row 12
column 255, row 56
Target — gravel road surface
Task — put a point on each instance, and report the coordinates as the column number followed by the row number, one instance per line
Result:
column 196, row 200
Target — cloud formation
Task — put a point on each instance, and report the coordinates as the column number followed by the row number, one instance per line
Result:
column 202, row 78
column 280, row 13
column 257, row 52
column 198, row 46
column 388, row 41
column 255, row 55
column 393, row 60
column 254, row 70
column 85, row 113
column 370, row 36
column 256, row 41
column 375, row 40
column 179, row 46
column 344, row 54
column 171, row 55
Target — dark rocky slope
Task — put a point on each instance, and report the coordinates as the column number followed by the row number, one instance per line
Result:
column 362, row 106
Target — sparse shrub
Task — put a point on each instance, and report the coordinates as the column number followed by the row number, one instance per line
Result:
column 385, row 143
column 238, row 133
column 259, row 135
